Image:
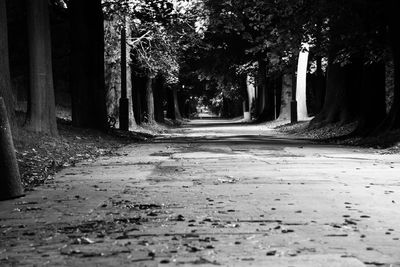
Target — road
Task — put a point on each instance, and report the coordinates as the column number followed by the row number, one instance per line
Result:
column 212, row 193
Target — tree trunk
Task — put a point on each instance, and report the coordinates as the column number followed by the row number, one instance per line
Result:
column 341, row 102
column 123, row 101
column 42, row 117
column 5, row 80
column 132, row 120
column 319, row 86
column 301, row 83
column 10, row 180
column 261, row 87
column 138, row 92
column 159, row 97
column 177, row 112
column 286, row 97
column 392, row 121
column 251, row 93
column 372, row 99
column 150, row 118
column 266, row 94
column 87, row 64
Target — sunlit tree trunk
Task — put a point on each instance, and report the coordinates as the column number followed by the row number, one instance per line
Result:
column 5, row 81
column 87, row 64
column 41, row 117
column 301, row 83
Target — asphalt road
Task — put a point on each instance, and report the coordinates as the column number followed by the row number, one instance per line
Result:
column 212, row 193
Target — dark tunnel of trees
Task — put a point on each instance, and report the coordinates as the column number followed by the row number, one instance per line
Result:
column 128, row 62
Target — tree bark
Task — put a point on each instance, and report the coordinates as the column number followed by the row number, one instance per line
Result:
column 10, row 181
column 392, row 121
column 302, row 113
column 41, row 117
column 150, row 118
column 266, row 94
column 89, row 107
column 138, row 93
column 261, row 87
column 5, row 80
column 177, row 112
column 341, row 104
column 372, row 104
column 286, row 97
column 123, row 101
column 319, row 86
column 159, row 97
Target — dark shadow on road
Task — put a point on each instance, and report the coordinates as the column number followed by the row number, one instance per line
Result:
column 244, row 140
column 212, row 124
column 219, row 131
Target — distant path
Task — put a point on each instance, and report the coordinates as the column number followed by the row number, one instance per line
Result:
column 213, row 193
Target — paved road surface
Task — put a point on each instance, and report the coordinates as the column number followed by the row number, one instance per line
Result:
column 213, row 193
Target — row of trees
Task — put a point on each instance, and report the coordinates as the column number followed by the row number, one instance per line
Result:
column 134, row 43
column 86, row 72
column 353, row 45
column 212, row 49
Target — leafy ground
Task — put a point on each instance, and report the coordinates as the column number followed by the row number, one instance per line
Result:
column 339, row 134
column 41, row 156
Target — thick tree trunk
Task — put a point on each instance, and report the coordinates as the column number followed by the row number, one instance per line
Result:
column 123, row 101
column 392, row 121
column 286, row 97
column 138, row 94
column 340, row 103
column 266, row 94
column 372, row 104
column 5, row 80
column 302, row 65
column 42, row 117
column 87, row 64
column 150, row 118
column 10, row 181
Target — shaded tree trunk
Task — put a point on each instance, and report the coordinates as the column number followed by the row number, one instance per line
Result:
column 41, row 117
column 392, row 121
column 87, row 64
column 5, row 80
column 372, row 104
column 150, row 118
column 261, row 87
column 266, row 94
column 286, row 97
column 177, row 112
column 319, row 90
column 159, row 97
column 342, row 85
column 138, row 92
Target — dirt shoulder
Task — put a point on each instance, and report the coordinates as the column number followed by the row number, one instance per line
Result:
column 340, row 134
column 41, row 156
